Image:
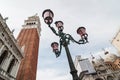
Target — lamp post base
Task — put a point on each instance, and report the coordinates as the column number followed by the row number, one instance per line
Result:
column 74, row 75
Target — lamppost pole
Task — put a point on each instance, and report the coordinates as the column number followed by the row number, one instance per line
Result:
column 64, row 39
column 71, row 64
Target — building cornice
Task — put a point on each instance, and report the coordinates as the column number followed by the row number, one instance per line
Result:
column 11, row 37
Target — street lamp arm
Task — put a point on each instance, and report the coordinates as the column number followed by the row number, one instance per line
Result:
column 73, row 40
column 64, row 39
column 53, row 30
column 60, row 46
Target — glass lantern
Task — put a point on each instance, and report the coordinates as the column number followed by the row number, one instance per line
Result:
column 54, row 46
column 59, row 25
column 82, row 32
column 48, row 16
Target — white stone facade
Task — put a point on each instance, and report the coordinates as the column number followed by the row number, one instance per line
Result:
column 10, row 53
column 99, row 72
column 84, row 65
column 116, row 41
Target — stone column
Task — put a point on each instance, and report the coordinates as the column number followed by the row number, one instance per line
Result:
column 1, row 49
column 1, row 43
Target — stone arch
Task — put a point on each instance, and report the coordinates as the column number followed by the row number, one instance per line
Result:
column 11, row 65
column 119, row 77
column 3, row 56
column 110, row 78
column 98, row 79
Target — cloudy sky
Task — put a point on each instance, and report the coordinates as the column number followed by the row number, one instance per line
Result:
column 100, row 17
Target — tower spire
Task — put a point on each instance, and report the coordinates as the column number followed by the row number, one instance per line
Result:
column 28, row 40
column 36, row 14
column 105, row 51
column 92, row 56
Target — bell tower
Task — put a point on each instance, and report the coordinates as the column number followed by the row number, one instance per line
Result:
column 28, row 40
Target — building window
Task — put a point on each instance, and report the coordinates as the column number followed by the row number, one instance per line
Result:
column 110, row 78
column 11, row 65
column 3, row 34
column 10, row 45
column 5, row 39
column 1, row 78
column 99, row 79
column 3, row 56
column 118, row 64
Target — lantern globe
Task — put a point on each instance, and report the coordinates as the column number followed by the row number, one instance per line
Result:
column 59, row 25
column 48, row 16
column 54, row 45
column 81, row 31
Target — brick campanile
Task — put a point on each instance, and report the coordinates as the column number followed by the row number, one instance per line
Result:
column 28, row 40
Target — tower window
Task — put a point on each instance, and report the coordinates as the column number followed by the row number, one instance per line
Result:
column 5, row 38
column 30, row 23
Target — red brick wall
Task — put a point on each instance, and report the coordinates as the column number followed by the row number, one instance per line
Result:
column 28, row 66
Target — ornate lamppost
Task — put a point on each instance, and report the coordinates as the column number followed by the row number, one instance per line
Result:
column 64, row 39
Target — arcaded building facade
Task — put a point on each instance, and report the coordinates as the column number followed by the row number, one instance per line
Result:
column 10, row 53
column 106, row 68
